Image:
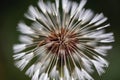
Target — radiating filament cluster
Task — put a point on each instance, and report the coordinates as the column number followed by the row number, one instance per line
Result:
column 64, row 41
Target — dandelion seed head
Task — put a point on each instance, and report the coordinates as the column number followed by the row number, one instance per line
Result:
column 65, row 41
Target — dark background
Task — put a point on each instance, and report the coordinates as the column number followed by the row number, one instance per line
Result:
column 11, row 12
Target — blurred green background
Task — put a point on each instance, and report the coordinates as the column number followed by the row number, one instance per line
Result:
column 12, row 11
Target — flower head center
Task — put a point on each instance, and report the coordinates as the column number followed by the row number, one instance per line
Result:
column 62, row 41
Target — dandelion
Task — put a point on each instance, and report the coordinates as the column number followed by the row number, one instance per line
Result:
column 62, row 43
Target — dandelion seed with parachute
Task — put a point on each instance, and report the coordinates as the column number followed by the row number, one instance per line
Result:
column 65, row 41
